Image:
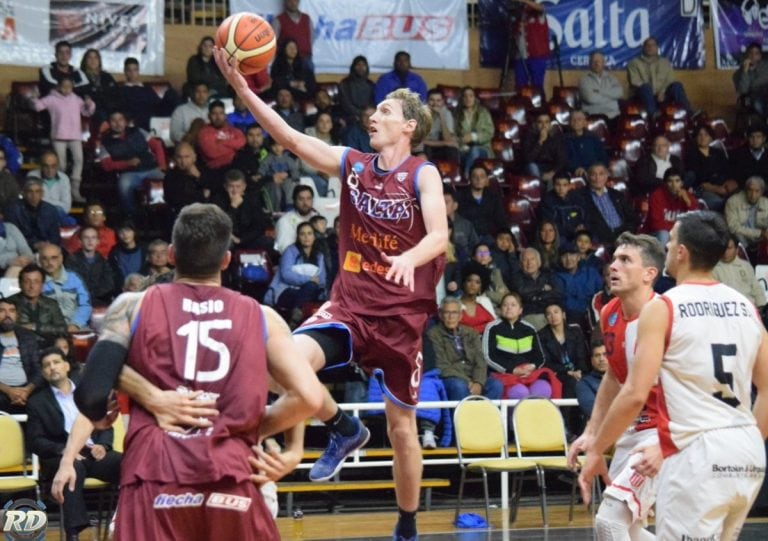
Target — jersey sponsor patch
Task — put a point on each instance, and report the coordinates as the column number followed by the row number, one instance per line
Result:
column 188, row 499
column 228, row 501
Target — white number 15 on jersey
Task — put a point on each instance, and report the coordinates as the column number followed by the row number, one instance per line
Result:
column 197, row 333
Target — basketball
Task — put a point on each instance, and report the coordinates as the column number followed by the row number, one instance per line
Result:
column 250, row 39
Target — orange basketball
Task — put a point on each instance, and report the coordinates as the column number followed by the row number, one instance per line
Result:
column 250, row 39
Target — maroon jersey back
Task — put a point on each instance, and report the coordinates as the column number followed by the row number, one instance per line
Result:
column 380, row 212
column 198, row 338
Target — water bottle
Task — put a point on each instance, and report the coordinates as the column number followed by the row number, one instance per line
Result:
column 298, row 524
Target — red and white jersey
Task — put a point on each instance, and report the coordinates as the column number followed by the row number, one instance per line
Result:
column 713, row 337
column 620, row 337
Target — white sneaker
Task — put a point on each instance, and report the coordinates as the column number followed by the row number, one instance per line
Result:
column 428, row 440
column 269, row 492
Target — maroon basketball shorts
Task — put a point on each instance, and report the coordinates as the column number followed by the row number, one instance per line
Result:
column 221, row 510
column 386, row 347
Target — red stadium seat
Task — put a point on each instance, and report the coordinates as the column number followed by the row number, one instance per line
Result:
column 450, row 94
column 569, row 94
column 526, row 186
column 674, row 110
column 633, row 126
column 516, row 108
column 560, row 111
column 507, row 129
column 598, row 126
column 520, row 212
column 449, row 170
column 633, row 107
column 677, row 148
column 332, row 89
column 498, row 171
column 491, row 98
column 673, row 129
column 504, row 149
column 535, row 94
column 630, row 149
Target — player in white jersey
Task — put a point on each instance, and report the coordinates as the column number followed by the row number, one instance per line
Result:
column 637, row 263
column 706, row 344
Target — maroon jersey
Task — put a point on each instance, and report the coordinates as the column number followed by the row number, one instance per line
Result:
column 199, row 338
column 380, row 212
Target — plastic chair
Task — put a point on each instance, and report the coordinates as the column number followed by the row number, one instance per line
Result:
column 507, row 129
column 480, row 429
column 12, row 459
column 539, row 429
column 560, row 111
column 504, row 149
column 598, row 126
column 569, row 94
column 449, row 170
column 633, row 126
column 451, row 94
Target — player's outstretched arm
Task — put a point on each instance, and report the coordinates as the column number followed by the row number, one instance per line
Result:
column 435, row 242
column 760, row 381
column 106, row 358
column 288, row 366
column 316, row 153
column 66, row 476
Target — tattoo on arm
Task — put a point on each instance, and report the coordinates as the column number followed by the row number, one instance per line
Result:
column 117, row 321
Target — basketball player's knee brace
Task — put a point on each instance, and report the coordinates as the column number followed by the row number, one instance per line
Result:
column 613, row 520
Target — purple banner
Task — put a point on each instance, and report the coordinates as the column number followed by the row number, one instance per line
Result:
column 738, row 23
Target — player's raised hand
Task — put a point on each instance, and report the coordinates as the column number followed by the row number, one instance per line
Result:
column 228, row 66
column 401, row 269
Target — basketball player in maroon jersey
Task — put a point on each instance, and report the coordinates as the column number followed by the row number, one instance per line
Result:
column 194, row 335
column 393, row 234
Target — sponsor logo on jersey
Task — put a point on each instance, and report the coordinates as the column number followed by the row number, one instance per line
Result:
column 396, row 207
column 381, row 241
column 612, row 319
column 353, row 262
column 738, row 470
column 636, row 479
column 228, row 501
column 401, row 176
column 188, row 499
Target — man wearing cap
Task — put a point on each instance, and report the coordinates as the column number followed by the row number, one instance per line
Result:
column 751, row 160
column 37, row 220
column 577, row 282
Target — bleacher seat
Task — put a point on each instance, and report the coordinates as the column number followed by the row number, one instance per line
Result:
column 672, row 128
column 507, row 129
column 520, row 212
column 598, row 126
column 634, row 126
column 449, row 170
column 516, row 108
column 332, row 88
column 674, row 110
column 560, row 111
column 503, row 149
column 451, row 95
column 633, row 107
column 526, row 186
column 629, row 149
column 569, row 94
column 535, row 94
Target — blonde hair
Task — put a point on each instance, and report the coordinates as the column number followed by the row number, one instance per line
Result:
column 414, row 109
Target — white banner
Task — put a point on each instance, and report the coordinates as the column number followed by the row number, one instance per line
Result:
column 117, row 28
column 434, row 32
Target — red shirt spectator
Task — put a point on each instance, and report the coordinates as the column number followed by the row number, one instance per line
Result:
column 218, row 141
column 668, row 201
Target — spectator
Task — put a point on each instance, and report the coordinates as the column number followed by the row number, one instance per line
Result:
column 100, row 86
column 320, row 225
column 37, row 220
column 245, row 209
column 557, row 207
column 751, row 79
column 185, row 114
column 248, row 160
column 219, row 142
column 301, row 278
column 547, row 242
column 565, row 349
column 9, row 186
column 481, row 205
column 295, row 25
column 285, row 106
column 323, row 130
column 157, row 263
column 600, row 299
column 537, row 287
column 134, row 283
column 51, row 414
column 459, row 356
column 65, row 108
column 649, row 170
column 92, row 268
column 356, row 135
column 400, row 77
column 753, row 159
column 606, row 211
column 600, row 91
column 578, row 283
column 476, row 308
column 441, row 142
column 50, row 75
column 64, row 344
column 666, row 203
column 531, row 33
column 587, row 254
column 15, row 253
column 12, row 155
column 464, row 235
column 19, row 370
column 66, row 288
column 283, row 168
column 544, row 149
column 505, row 256
column 708, row 172
column 511, row 347
column 356, row 89
column 652, row 79
column 324, row 104
column 582, row 147
column 738, row 273
column 94, row 215
column 289, row 70
column 497, row 288
column 586, row 388
column 127, row 257
column 747, row 213
column 202, row 68
column 128, row 154
column 140, row 102
column 241, row 118
column 186, row 184
column 56, row 186
column 474, row 130
column 35, row 312
column 285, row 229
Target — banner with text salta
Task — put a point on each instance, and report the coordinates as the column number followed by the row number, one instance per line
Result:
column 119, row 29
column 434, row 32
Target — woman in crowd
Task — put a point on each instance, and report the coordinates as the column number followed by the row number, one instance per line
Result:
column 323, row 130
column 497, row 289
column 547, row 242
column 565, row 349
column 476, row 309
column 707, row 170
column 290, row 71
column 474, row 129
column 201, row 68
column 356, row 89
column 101, row 87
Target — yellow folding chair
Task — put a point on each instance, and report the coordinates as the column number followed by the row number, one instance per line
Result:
column 12, row 459
column 540, row 436
column 480, row 430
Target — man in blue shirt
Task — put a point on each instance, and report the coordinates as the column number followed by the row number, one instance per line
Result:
column 400, row 77
column 66, row 287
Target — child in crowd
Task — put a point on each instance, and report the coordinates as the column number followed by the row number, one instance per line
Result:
column 127, row 256
column 284, row 170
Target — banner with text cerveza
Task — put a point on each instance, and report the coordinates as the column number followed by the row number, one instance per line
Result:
column 617, row 28
column 738, row 23
column 116, row 29
column 434, row 32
